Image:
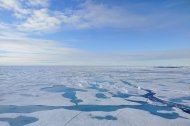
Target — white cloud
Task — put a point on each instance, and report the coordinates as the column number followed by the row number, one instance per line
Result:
column 42, row 3
column 3, row 26
column 99, row 15
column 40, row 20
column 88, row 15
column 9, row 31
column 34, row 17
column 10, row 4
column 15, row 6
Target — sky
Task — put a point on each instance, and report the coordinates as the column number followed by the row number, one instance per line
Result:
column 95, row 32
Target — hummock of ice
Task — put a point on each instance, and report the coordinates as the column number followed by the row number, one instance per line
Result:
column 94, row 96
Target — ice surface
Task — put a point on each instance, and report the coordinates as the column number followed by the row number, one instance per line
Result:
column 95, row 96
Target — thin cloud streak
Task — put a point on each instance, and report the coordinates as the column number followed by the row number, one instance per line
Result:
column 40, row 52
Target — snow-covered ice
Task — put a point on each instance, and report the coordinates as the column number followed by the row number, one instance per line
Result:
column 94, row 96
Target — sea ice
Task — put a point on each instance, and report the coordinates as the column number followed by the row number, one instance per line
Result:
column 66, row 96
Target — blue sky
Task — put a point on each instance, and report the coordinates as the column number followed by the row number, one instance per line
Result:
column 95, row 32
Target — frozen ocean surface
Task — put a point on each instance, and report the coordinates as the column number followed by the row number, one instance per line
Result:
column 94, row 96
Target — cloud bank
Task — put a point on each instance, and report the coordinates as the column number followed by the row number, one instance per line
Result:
column 37, row 17
column 41, row 52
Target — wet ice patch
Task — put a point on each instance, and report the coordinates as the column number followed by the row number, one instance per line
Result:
column 19, row 121
column 121, row 95
column 25, row 109
column 180, row 99
column 107, row 117
column 91, row 108
column 101, row 95
column 68, row 92
column 72, row 96
column 155, row 109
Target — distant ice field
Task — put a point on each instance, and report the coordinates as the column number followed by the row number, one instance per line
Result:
column 94, row 96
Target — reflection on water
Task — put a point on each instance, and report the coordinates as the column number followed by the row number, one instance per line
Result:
column 24, row 109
